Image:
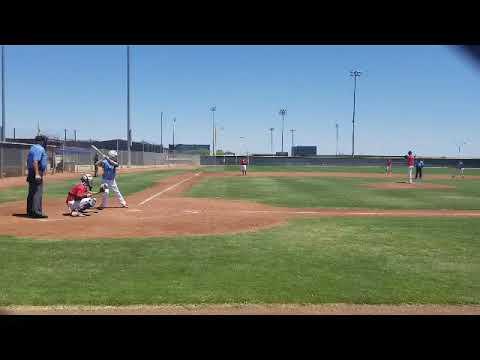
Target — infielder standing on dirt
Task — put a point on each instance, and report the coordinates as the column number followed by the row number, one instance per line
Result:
column 460, row 169
column 419, row 164
column 109, row 165
column 243, row 166
column 411, row 165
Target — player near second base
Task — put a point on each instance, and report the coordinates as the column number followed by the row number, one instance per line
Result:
column 411, row 165
column 109, row 165
column 243, row 166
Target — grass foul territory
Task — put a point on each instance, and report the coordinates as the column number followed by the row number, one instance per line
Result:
column 328, row 260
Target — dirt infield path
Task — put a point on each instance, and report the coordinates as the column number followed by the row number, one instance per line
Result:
column 248, row 309
column 162, row 210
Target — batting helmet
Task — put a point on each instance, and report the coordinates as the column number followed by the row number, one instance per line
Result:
column 112, row 154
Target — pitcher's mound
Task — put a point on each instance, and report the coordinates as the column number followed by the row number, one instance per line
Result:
column 406, row 185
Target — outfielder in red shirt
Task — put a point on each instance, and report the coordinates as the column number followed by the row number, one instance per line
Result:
column 388, row 168
column 80, row 197
column 243, row 166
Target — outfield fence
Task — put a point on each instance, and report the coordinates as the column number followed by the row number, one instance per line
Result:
column 335, row 161
column 13, row 158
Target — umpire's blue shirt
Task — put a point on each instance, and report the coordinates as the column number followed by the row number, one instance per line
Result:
column 109, row 170
column 37, row 153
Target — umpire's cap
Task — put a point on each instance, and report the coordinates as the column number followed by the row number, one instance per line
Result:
column 42, row 139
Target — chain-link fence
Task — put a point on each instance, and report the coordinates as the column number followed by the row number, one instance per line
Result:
column 13, row 158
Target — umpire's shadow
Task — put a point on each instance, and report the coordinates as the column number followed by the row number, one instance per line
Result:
column 21, row 215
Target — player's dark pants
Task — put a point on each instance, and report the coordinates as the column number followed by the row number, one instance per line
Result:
column 418, row 173
column 34, row 199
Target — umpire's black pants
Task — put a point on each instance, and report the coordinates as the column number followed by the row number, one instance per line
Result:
column 34, row 199
column 418, row 173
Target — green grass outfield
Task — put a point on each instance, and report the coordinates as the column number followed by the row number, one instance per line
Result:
column 340, row 192
column 128, row 184
column 325, row 260
column 315, row 168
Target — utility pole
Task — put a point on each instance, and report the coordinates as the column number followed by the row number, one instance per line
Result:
column 129, row 130
column 282, row 113
column 336, row 147
column 65, row 135
column 2, row 134
column 13, row 133
column 292, row 131
column 161, row 130
column 173, row 140
column 213, row 109
column 354, row 74
column 75, row 135
column 38, row 127
column 271, row 139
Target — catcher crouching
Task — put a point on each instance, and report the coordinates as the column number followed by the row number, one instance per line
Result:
column 80, row 197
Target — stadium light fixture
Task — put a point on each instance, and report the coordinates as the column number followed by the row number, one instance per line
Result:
column 354, row 74
column 271, row 139
column 129, row 130
column 213, row 109
column 282, row 113
column 2, row 135
column 292, row 131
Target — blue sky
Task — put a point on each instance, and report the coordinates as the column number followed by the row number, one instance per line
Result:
column 423, row 98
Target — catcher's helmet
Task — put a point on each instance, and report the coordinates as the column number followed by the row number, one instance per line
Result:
column 87, row 179
column 112, row 154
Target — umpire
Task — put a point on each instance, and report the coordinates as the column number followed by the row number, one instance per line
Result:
column 37, row 166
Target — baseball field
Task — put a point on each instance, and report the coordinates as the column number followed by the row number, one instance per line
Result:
column 281, row 240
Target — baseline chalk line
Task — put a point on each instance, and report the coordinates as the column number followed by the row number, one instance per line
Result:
column 167, row 189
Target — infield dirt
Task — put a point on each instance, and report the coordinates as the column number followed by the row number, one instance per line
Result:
column 162, row 210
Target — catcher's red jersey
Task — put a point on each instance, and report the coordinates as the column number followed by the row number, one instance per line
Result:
column 77, row 192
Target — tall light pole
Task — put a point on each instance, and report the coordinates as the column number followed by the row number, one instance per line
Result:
column 129, row 130
column 336, row 146
column 173, row 140
column 460, row 146
column 292, row 131
column 2, row 135
column 161, row 130
column 271, row 139
column 282, row 113
column 354, row 74
column 242, row 138
column 213, row 109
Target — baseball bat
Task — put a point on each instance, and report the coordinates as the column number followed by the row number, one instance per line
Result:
column 98, row 151
column 104, row 156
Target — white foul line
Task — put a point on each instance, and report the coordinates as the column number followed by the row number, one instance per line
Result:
column 167, row 189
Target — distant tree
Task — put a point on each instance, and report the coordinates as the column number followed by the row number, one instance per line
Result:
column 220, row 152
